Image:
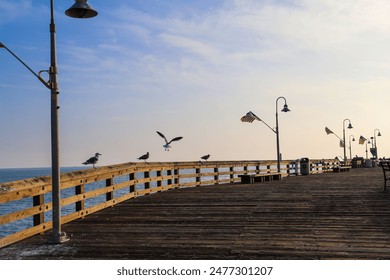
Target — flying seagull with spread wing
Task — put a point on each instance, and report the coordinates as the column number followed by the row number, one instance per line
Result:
column 92, row 160
column 167, row 146
column 144, row 157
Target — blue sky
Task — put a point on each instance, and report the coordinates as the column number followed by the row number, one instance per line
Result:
column 192, row 69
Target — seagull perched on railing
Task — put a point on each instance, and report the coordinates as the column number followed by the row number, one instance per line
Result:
column 93, row 160
column 144, row 157
column 206, row 157
column 167, row 146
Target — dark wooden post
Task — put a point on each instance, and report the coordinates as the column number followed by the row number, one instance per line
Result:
column 39, row 218
column 231, row 169
column 159, row 182
column 80, row 204
column 169, row 182
column 176, row 173
column 216, row 175
column 198, row 176
column 132, row 186
column 109, row 195
column 146, row 176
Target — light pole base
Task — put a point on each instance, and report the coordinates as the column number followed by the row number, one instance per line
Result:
column 61, row 238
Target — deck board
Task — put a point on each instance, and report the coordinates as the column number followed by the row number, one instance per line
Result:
column 321, row 216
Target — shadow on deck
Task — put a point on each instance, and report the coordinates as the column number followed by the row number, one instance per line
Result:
column 323, row 216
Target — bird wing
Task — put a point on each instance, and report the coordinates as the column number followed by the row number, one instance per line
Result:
column 175, row 139
column 90, row 160
column 162, row 135
column 145, row 156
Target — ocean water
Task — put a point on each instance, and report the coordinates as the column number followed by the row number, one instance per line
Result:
column 13, row 174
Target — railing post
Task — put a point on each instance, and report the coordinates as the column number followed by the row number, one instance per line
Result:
column 80, row 204
column 39, row 218
column 176, row 173
column 159, row 182
column 231, row 169
column 257, row 169
column 169, row 181
column 109, row 195
column 198, row 176
column 216, row 175
column 132, row 186
column 146, row 176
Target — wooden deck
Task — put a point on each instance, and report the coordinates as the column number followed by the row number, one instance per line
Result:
column 323, row 216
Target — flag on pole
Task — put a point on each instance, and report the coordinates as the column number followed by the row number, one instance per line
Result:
column 328, row 131
column 362, row 140
column 341, row 143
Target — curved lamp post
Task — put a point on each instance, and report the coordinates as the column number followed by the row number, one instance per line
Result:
column 250, row 117
column 345, row 151
column 80, row 9
column 285, row 109
column 350, row 146
column 374, row 144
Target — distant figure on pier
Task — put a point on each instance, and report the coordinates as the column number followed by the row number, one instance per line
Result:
column 144, row 157
column 93, row 160
column 206, row 157
column 167, row 146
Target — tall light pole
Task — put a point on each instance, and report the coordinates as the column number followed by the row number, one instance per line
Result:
column 364, row 140
column 285, row 109
column 250, row 117
column 374, row 144
column 80, row 9
column 349, row 127
column 350, row 146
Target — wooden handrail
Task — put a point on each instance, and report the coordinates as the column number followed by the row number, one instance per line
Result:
column 117, row 183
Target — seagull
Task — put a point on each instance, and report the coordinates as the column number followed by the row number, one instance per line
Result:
column 144, row 157
column 167, row 146
column 206, row 157
column 93, row 160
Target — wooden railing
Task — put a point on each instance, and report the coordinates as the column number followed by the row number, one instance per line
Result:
column 88, row 191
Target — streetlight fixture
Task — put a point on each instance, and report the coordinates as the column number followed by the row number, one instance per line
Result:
column 350, row 146
column 342, row 141
column 349, row 127
column 374, row 144
column 250, row 117
column 363, row 140
column 80, row 9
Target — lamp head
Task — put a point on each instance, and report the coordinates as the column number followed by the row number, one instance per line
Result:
column 379, row 133
column 249, row 117
column 285, row 108
column 81, row 9
column 350, row 126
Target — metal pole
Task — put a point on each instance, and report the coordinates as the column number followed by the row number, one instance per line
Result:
column 345, row 153
column 277, row 136
column 376, row 148
column 58, row 236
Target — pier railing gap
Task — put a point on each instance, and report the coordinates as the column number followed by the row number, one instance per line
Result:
column 88, row 191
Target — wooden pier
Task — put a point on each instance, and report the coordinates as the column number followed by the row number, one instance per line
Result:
column 320, row 216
